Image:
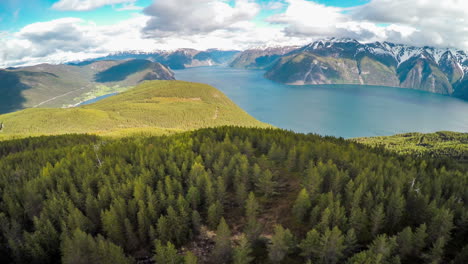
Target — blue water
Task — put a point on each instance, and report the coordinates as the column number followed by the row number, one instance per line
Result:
column 338, row 110
column 90, row 101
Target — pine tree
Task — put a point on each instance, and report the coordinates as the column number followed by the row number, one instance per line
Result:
column 83, row 248
column 252, row 227
column 222, row 251
column 166, row 254
column 310, row 246
column 441, row 224
column 196, row 222
column 193, row 197
column 436, row 253
column 242, row 253
column 215, row 212
column 351, row 242
column 163, row 229
column 332, row 246
column 419, row 239
column 405, row 242
column 281, row 244
column 266, row 184
column 377, row 220
column 302, row 206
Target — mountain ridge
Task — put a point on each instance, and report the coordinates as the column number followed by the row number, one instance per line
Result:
column 174, row 59
column 347, row 61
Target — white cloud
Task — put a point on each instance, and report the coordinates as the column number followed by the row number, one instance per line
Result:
column 129, row 7
column 419, row 22
column 433, row 22
column 309, row 18
column 191, row 17
column 71, row 39
column 273, row 5
column 85, row 5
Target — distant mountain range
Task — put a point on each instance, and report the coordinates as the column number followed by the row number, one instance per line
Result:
column 330, row 61
column 334, row 61
column 176, row 60
column 260, row 57
column 47, row 85
column 347, row 61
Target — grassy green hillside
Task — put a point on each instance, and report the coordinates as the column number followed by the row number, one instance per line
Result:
column 48, row 85
column 227, row 195
column 153, row 106
column 438, row 145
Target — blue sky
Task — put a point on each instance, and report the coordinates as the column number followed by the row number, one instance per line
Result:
column 35, row 31
column 16, row 14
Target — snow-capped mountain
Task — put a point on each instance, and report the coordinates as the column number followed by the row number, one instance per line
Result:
column 346, row 47
column 346, row 60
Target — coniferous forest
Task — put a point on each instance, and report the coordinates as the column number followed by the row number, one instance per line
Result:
column 227, row 195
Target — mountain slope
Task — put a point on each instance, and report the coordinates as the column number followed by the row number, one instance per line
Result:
column 47, row 85
column 260, row 57
column 346, row 61
column 152, row 105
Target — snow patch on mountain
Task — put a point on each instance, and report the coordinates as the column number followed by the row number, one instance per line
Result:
column 399, row 52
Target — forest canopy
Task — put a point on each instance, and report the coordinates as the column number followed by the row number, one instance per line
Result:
column 227, row 195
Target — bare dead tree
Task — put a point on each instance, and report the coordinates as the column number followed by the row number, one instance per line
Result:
column 96, row 150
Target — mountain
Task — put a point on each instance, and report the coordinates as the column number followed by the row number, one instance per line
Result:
column 178, row 59
column 260, row 57
column 347, row 61
column 227, row 195
column 48, row 85
column 152, row 106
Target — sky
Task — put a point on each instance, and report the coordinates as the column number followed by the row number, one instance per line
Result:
column 54, row 31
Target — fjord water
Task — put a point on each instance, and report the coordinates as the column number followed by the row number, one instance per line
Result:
column 337, row 110
column 91, row 101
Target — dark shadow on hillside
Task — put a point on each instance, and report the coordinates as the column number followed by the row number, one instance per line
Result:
column 122, row 71
column 11, row 97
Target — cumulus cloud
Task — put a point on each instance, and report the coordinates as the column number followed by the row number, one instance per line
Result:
column 71, row 39
column 85, row 5
column 434, row 22
column 419, row 22
column 68, row 39
column 308, row 18
column 191, row 17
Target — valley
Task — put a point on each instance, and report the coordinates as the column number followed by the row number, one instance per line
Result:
column 48, row 85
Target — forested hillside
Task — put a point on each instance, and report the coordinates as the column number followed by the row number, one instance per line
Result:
column 227, row 195
column 440, row 145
